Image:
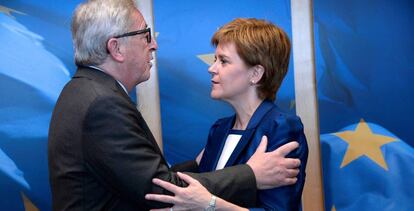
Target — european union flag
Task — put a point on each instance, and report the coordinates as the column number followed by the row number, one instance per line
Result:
column 364, row 52
column 366, row 167
column 35, row 55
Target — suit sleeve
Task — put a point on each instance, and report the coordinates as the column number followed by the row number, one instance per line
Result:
column 187, row 166
column 120, row 151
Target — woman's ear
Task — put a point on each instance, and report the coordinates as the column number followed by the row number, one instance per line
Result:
column 113, row 47
column 257, row 73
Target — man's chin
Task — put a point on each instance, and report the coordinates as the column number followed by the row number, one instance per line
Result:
column 146, row 77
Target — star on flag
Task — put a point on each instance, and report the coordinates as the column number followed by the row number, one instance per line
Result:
column 362, row 141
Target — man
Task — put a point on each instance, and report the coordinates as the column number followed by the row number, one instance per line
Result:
column 102, row 155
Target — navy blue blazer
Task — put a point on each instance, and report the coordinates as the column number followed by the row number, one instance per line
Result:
column 280, row 128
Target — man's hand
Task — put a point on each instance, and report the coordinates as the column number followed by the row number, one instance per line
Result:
column 272, row 169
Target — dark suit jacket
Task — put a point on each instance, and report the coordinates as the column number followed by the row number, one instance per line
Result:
column 280, row 128
column 102, row 155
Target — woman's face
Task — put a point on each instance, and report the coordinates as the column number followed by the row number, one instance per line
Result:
column 230, row 76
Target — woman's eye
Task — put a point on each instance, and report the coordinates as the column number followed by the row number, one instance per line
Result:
column 223, row 61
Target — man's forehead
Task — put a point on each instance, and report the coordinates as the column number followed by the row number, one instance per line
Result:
column 139, row 20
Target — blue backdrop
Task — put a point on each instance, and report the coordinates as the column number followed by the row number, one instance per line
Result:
column 364, row 53
column 36, row 61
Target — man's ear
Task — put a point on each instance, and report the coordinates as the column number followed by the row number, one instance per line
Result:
column 257, row 73
column 113, row 47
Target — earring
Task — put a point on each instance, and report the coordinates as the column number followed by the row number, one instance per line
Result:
column 252, row 82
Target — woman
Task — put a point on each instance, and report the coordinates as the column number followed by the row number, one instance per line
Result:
column 251, row 60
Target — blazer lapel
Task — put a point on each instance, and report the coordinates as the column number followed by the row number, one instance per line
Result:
column 246, row 138
column 218, row 138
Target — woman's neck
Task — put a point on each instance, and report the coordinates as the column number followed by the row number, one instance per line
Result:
column 244, row 112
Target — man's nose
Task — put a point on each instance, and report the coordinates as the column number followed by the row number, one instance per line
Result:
column 153, row 45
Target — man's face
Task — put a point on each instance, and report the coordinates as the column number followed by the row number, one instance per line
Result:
column 138, row 54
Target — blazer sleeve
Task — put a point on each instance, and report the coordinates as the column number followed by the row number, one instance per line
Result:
column 120, row 151
column 285, row 129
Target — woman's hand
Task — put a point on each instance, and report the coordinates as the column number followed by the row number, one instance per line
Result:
column 194, row 196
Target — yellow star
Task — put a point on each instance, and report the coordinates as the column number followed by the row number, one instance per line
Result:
column 8, row 11
column 363, row 142
column 28, row 205
column 207, row 58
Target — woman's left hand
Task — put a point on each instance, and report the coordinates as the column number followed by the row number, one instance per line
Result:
column 194, row 196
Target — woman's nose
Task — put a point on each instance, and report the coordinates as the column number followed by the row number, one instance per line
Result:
column 212, row 68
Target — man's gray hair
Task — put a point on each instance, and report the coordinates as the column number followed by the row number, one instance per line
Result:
column 94, row 23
